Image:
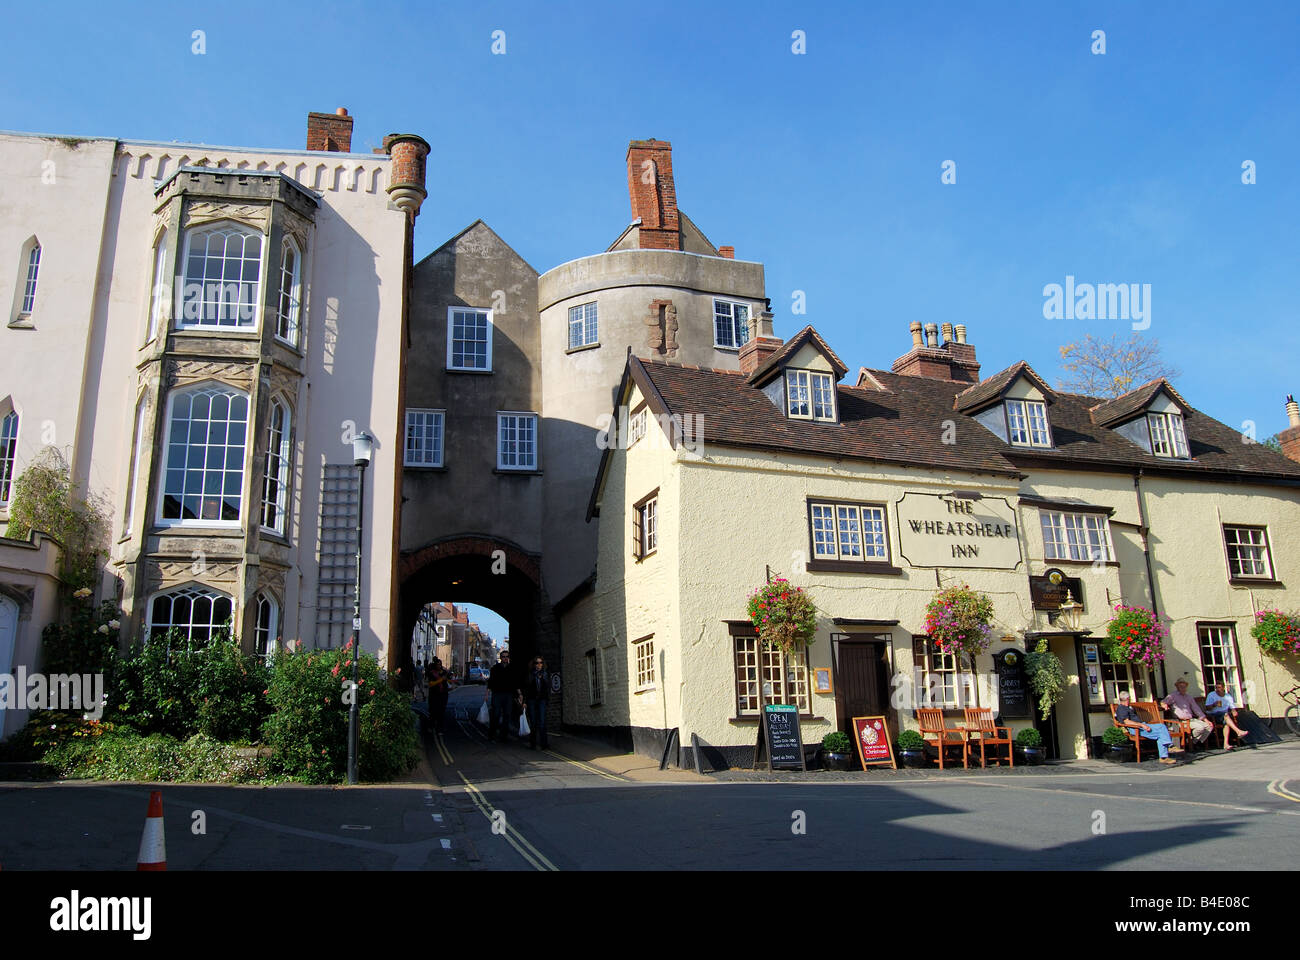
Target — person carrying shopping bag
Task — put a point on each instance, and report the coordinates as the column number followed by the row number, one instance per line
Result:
column 537, row 688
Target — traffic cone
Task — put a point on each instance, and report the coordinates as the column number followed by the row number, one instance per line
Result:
column 153, row 844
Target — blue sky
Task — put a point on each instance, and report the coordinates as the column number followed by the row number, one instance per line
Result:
column 1115, row 168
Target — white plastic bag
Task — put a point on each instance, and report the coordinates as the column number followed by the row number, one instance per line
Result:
column 524, row 729
column 484, row 718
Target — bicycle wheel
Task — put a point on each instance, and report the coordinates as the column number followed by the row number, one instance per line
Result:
column 1292, row 716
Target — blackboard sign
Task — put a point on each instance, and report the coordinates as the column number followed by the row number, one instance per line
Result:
column 1013, row 692
column 778, row 732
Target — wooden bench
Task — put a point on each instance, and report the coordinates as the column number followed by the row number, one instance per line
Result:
column 982, row 730
column 931, row 722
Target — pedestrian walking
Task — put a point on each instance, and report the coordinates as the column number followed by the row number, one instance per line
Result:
column 537, row 688
column 439, row 681
column 503, row 689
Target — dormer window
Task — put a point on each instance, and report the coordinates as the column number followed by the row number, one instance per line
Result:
column 1167, row 436
column 1027, row 423
column 810, row 395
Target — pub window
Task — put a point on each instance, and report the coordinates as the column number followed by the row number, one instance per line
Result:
column 1133, row 677
column 1219, row 660
column 1075, row 536
column 810, row 395
column 1167, row 436
column 645, row 663
column 945, row 679
column 785, row 677
column 848, row 531
column 636, row 427
column 730, row 324
column 1247, row 552
column 1027, row 423
column 645, row 526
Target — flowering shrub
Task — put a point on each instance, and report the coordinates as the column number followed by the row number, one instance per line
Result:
column 1134, row 635
column 1276, row 632
column 783, row 615
column 960, row 620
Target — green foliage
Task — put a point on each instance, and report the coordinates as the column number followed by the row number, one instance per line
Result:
column 784, row 615
column 1046, row 677
column 1029, row 737
column 837, row 741
column 310, row 724
column 911, row 740
column 124, row 755
column 215, row 690
column 1115, row 737
column 45, row 498
column 1276, row 632
column 46, row 729
column 86, row 642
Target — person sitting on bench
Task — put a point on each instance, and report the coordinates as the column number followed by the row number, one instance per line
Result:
column 1126, row 716
column 1222, row 709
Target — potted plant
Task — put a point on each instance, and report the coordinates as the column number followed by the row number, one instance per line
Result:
column 1118, row 747
column 1134, row 635
column 960, row 621
column 911, row 749
column 837, row 751
column 784, row 615
column 1045, row 676
column 1276, row 632
column 1029, row 747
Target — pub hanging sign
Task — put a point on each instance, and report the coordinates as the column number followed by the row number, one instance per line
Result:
column 1048, row 591
column 938, row 530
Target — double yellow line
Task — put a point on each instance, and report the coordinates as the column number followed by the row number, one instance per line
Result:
column 1278, row 789
column 534, row 857
column 442, row 748
column 585, row 766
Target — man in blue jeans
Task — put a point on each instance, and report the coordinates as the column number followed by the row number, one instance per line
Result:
column 1126, row 716
column 537, row 687
column 501, row 684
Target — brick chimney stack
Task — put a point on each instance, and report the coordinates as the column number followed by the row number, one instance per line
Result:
column 727, row 252
column 653, row 195
column 1290, row 437
column 330, row 131
column 762, row 343
column 954, row 359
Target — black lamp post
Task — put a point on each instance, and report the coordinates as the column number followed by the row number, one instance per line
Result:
column 362, row 446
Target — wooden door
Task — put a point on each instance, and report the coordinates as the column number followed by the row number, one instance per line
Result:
column 861, row 684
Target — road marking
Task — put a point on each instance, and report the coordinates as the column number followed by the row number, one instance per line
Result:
column 446, row 844
column 536, row 859
column 1111, row 796
column 586, row 766
column 354, row 826
column 437, row 817
column 1278, row 789
column 442, row 749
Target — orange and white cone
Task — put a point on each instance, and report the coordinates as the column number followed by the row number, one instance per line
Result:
column 153, row 845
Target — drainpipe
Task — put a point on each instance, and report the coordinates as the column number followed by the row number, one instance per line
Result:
column 1146, row 555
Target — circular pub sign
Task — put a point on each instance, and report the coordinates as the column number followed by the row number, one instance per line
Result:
column 555, row 683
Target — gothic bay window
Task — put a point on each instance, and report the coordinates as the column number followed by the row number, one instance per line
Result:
column 516, row 441
column 1167, row 436
column 784, row 677
column 266, row 632
column 197, row 613
column 582, row 326
column 275, row 482
column 848, row 531
column 810, row 395
column 730, row 324
column 1075, row 536
column 223, row 272
column 159, row 291
column 8, row 453
column 1027, row 423
column 1247, row 553
column 204, row 477
column 469, row 339
column 286, row 319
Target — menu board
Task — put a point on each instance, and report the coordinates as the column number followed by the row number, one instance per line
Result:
column 778, row 731
column 872, row 736
column 1013, row 693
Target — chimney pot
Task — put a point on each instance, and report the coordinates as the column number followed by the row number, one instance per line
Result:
column 932, row 335
column 917, row 339
column 341, row 111
column 961, row 332
column 947, row 333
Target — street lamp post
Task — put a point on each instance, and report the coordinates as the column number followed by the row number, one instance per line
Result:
column 362, row 446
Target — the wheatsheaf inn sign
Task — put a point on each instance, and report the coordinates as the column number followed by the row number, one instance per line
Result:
column 946, row 531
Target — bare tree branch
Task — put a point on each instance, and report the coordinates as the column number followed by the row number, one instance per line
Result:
column 1107, row 368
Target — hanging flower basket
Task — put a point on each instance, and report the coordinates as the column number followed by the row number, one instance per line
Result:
column 1276, row 632
column 1134, row 635
column 960, row 621
column 783, row 615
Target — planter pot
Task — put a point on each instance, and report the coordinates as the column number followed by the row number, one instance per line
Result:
column 1120, row 753
column 837, row 761
column 913, row 758
column 1030, row 756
